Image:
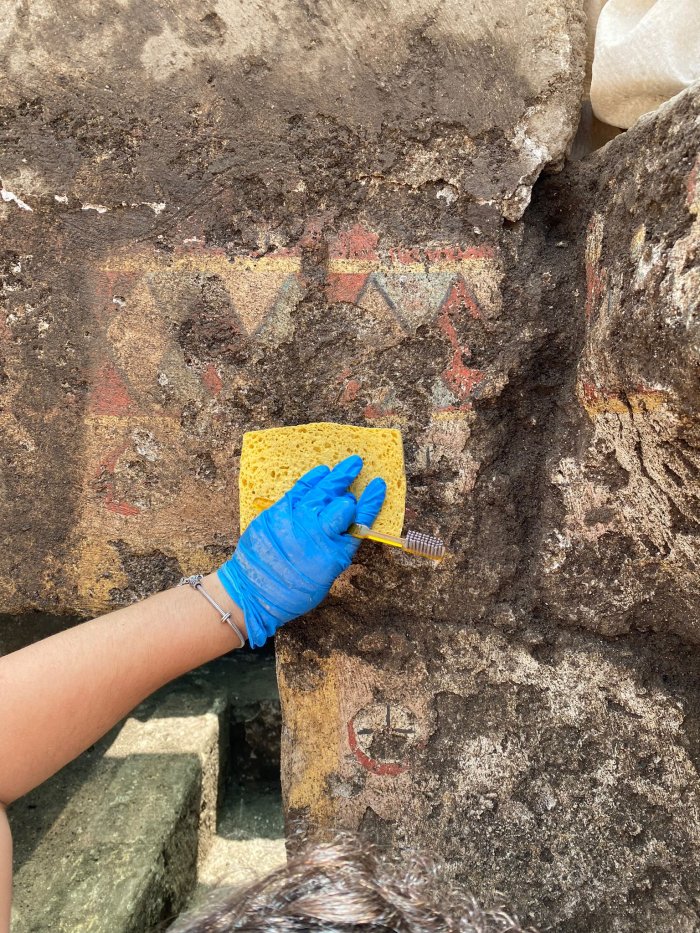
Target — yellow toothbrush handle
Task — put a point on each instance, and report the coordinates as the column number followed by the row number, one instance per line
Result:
column 365, row 532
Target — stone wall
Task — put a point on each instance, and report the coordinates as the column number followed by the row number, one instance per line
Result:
column 530, row 709
column 186, row 192
column 234, row 217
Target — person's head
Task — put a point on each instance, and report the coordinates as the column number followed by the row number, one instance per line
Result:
column 347, row 887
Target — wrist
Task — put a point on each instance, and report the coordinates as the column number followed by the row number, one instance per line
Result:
column 216, row 589
column 259, row 623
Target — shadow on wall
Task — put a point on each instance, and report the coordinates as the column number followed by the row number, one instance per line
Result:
column 25, row 629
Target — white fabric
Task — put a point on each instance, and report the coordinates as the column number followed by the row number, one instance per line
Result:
column 645, row 52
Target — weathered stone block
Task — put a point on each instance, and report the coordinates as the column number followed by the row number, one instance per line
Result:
column 121, row 853
column 469, row 100
column 620, row 544
column 477, row 718
column 187, row 195
column 556, row 769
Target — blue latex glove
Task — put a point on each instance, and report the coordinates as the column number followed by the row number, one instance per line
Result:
column 289, row 555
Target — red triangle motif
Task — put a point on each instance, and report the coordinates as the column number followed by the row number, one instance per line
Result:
column 460, row 298
column 345, row 286
column 109, row 394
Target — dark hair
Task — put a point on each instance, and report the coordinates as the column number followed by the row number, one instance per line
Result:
column 345, row 886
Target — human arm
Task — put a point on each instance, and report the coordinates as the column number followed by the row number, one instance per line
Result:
column 5, row 871
column 61, row 694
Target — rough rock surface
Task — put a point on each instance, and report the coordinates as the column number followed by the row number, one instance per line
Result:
column 184, row 191
column 134, row 105
column 553, row 767
column 216, row 229
column 530, row 709
column 622, row 544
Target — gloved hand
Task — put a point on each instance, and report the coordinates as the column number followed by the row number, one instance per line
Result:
column 289, row 555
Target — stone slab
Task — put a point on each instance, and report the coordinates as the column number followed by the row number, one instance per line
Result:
column 619, row 549
column 120, row 838
column 197, row 261
column 121, row 852
column 185, row 191
column 553, row 767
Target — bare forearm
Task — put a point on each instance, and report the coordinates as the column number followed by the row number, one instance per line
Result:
column 61, row 694
column 5, row 872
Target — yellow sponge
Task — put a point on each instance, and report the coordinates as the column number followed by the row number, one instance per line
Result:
column 273, row 460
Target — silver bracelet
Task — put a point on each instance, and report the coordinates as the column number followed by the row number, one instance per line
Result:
column 195, row 581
